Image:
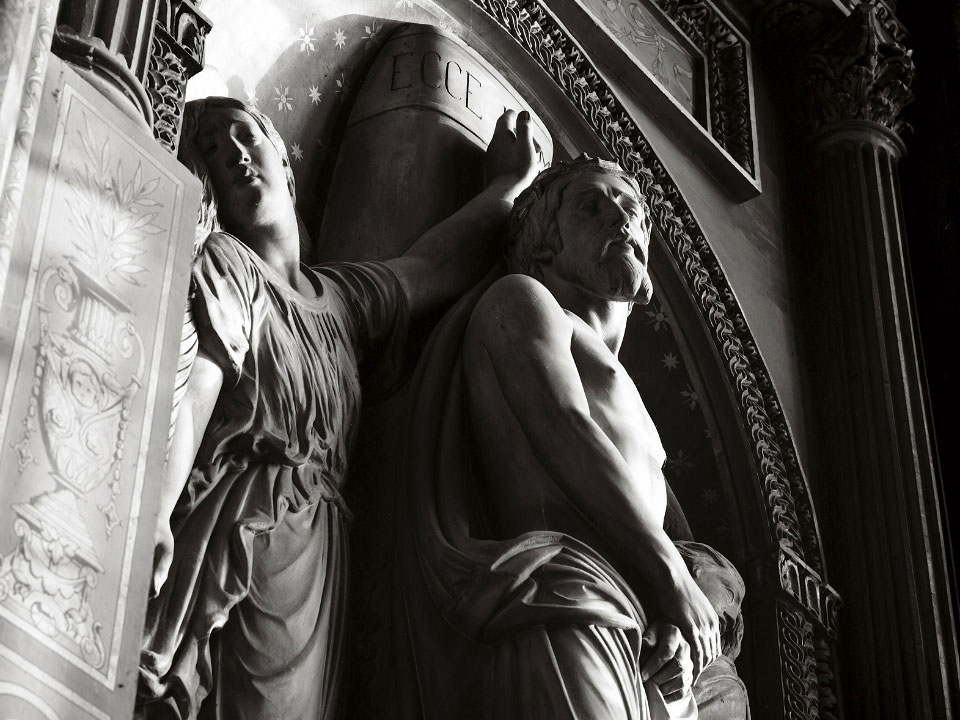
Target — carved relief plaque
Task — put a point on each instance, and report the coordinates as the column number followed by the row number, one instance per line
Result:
column 688, row 65
column 428, row 104
column 656, row 44
column 90, row 324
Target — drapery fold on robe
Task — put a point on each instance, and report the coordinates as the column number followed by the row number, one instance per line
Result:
column 255, row 603
column 539, row 626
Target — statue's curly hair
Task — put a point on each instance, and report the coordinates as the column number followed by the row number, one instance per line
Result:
column 189, row 154
column 532, row 228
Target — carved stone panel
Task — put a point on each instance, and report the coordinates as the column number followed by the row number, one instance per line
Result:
column 690, row 65
column 90, row 325
column 428, row 103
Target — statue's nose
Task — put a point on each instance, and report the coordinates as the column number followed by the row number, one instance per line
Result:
column 616, row 216
column 237, row 153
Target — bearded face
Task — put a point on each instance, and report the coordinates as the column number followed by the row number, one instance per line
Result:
column 606, row 239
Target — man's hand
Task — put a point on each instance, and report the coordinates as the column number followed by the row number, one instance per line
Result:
column 162, row 554
column 513, row 154
column 687, row 607
column 453, row 255
column 666, row 660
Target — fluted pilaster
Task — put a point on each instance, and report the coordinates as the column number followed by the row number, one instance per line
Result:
column 875, row 472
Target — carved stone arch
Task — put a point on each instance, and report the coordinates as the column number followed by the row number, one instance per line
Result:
column 791, row 608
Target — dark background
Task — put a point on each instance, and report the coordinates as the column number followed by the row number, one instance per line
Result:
column 930, row 184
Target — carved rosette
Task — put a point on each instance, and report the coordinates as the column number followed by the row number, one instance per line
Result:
column 861, row 73
column 176, row 56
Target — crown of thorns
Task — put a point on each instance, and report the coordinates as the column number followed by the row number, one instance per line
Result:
column 581, row 163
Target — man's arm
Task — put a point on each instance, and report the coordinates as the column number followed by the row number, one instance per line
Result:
column 524, row 337
column 453, row 255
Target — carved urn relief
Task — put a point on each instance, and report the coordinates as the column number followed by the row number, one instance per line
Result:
column 89, row 366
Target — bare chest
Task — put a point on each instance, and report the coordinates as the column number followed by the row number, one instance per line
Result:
column 615, row 405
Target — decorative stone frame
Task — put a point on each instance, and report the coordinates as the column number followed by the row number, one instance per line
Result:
column 725, row 137
column 794, row 609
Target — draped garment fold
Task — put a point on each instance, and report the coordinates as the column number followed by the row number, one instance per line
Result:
column 537, row 626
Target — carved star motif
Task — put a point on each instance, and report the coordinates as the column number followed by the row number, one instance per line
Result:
column 283, row 98
column 691, row 397
column 658, row 318
column 373, row 34
column 305, row 35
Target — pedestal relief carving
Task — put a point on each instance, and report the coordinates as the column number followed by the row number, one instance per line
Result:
column 88, row 368
column 93, row 306
column 80, row 408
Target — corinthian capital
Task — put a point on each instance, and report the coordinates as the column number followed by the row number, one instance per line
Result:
column 862, row 72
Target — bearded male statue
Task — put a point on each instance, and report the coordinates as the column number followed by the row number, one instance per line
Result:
column 536, row 578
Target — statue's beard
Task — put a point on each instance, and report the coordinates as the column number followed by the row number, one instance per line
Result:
column 623, row 281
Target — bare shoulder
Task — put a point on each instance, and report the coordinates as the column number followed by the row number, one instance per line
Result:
column 517, row 307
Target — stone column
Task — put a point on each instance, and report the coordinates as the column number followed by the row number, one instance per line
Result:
column 875, row 477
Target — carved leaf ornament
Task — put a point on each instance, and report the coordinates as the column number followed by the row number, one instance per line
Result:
column 111, row 214
column 860, row 73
